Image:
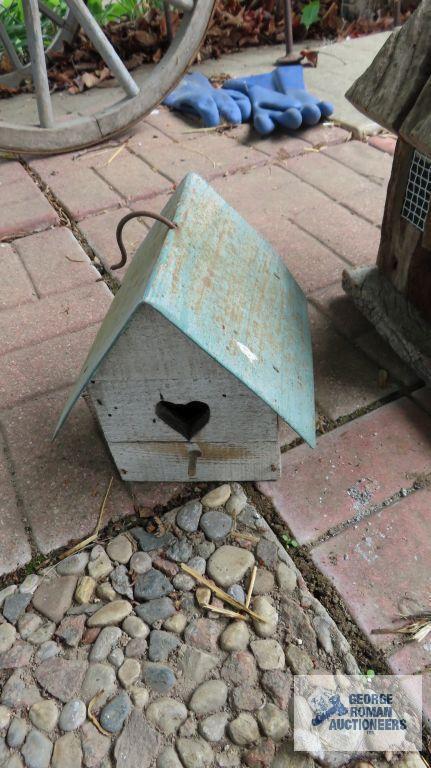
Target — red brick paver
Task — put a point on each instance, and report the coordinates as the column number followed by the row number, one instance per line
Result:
column 53, row 316
column 280, row 147
column 156, row 206
column 147, row 165
column 363, row 159
column 383, row 143
column 132, row 178
column 269, row 195
column 353, row 468
column 76, row 185
column 182, row 128
column 283, row 145
column 341, row 183
column 84, row 193
column 24, row 208
column 324, row 135
column 364, row 564
column 14, row 545
column 210, row 156
column 15, row 285
column 148, row 496
column 349, row 236
column 310, row 262
column 61, row 483
column 47, row 366
column 173, row 125
column 55, row 252
column 146, row 135
column 52, row 302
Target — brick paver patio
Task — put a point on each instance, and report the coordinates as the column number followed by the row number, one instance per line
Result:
column 355, row 502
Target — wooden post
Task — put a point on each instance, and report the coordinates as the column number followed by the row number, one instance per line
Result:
column 194, row 453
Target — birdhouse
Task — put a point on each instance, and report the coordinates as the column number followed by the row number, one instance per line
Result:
column 205, row 345
column 395, row 91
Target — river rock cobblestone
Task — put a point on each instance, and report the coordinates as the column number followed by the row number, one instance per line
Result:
column 111, row 660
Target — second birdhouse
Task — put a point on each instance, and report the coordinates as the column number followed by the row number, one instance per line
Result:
column 395, row 91
column 205, row 345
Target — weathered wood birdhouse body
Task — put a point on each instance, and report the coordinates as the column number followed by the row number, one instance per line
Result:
column 395, row 91
column 205, row 345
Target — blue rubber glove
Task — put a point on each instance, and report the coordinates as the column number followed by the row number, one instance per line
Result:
column 196, row 96
column 280, row 98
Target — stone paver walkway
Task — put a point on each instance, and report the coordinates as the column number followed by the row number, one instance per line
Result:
column 356, row 503
column 118, row 657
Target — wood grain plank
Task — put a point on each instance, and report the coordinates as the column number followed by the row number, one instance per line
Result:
column 152, row 348
column 389, row 88
column 416, row 128
column 126, row 409
column 404, row 251
column 399, row 237
column 160, row 461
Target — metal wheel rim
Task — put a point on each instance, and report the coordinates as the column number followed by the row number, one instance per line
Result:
column 85, row 131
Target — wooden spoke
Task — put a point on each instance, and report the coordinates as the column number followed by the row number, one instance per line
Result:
column 103, row 46
column 66, row 28
column 38, row 63
column 9, row 48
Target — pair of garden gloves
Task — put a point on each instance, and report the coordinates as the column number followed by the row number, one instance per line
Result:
column 278, row 98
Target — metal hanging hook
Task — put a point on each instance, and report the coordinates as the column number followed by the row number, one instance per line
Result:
column 135, row 215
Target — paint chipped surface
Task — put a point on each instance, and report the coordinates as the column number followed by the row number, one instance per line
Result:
column 246, row 351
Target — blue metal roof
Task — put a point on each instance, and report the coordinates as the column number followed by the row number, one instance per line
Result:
column 219, row 282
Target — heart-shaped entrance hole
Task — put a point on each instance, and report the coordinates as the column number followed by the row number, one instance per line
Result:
column 187, row 419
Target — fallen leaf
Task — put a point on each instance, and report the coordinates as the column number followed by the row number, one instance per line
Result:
column 6, row 92
column 310, row 56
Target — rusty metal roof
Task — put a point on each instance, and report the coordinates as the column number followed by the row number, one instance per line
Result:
column 220, row 283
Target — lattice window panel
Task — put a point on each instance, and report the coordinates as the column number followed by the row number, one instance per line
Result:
column 418, row 192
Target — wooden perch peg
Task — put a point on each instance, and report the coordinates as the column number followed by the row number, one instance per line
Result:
column 194, row 453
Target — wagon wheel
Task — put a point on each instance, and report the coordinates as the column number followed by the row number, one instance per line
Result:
column 66, row 27
column 79, row 131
